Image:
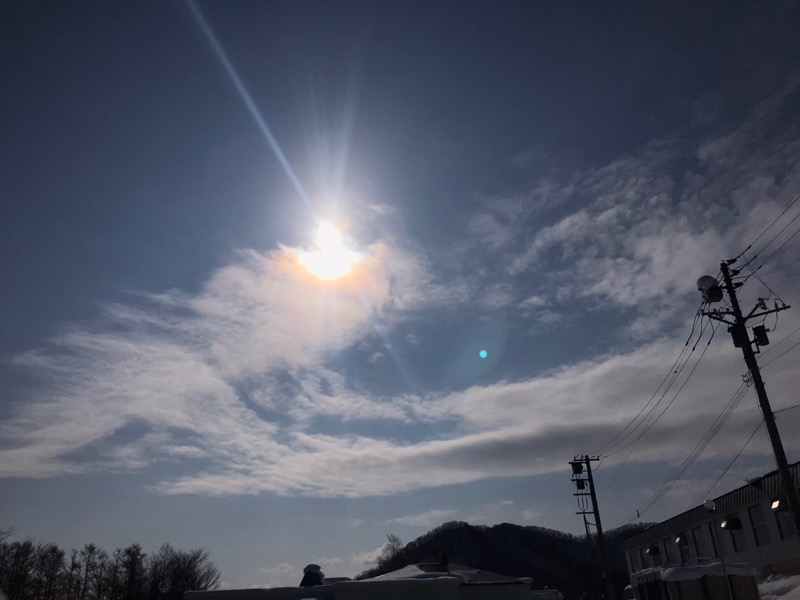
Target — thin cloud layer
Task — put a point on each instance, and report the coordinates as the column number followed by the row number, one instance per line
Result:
column 238, row 385
column 635, row 231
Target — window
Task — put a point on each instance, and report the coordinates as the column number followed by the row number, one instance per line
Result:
column 712, row 535
column 635, row 561
column 785, row 523
column 670, row 551
column 738, row 542
column 697, row 544
column 655, row 555
column 759, row 524
column 646, row 562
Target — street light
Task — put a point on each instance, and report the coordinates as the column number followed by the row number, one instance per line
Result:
column 711, row 507
column 779, row 504
column 731, row 522
column 682, row 541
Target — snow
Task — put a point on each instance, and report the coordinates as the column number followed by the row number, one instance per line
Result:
column 685, row 572
column 780, row 587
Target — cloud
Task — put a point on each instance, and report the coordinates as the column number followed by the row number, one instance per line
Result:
column 632, row 234
column 428, row 518
column 184, row 366
column 375, row 357
column 281, row 575
column 530, row 515
column 238, row 387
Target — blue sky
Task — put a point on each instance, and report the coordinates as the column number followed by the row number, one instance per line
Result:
column 542, row 181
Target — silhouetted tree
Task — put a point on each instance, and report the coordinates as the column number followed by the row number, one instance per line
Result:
column 35, row 571
column 133, row 571
column 20, row 561
column 390, row 551
column 172, row 572
column 49, row 571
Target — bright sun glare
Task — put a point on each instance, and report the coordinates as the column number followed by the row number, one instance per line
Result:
column 332, row 258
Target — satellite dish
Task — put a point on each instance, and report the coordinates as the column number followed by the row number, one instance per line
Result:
column 710, row 288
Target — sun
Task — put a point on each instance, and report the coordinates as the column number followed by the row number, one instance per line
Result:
column 331, row 259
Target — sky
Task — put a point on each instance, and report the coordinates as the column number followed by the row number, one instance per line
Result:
column 280, row 278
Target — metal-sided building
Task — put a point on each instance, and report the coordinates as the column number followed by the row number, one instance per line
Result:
column 758, row 529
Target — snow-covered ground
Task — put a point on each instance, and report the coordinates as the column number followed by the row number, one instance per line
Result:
column 779, row 587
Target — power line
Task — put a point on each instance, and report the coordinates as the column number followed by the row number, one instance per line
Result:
column 769, row 362
column 650, row 425
column 709, row 435
column 754, row 272
column 730, row 464
column 750, row 245
column 616, row 474
column 779, row 342
column 789, row 239
column 673, row 372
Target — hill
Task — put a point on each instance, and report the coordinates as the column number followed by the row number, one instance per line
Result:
column 551, row 558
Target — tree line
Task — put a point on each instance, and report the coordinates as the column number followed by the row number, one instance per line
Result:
column 31, row 570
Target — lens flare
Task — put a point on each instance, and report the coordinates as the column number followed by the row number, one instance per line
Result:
column 247, row 98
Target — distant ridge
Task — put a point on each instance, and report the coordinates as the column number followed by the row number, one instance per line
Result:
column 552, row 558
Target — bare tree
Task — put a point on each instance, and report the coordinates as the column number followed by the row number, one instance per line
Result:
column 89, row 564
column 172, row 572
column 133, row 572
column 391, row 550
column 18, row 572
column 50, row 571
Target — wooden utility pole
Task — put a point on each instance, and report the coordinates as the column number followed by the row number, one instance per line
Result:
column 741, row 338
column 578, row 464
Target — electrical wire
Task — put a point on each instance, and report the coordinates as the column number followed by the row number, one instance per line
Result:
column 677, row 372
column 650, row 425
column 709, row 435
column 672, row 371
column 750, row 245
column 769, row 362
column 730, row 464
column 789, row 239
column 779, row 342
column 616, row 474
column 754, row 272
column 632, row 445
column 749, row 262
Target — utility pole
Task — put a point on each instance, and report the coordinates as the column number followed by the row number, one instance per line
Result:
column 741, row 338
column 577, row 465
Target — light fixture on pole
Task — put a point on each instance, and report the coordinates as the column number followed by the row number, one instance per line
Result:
column 779, row 504
column 731, row 523
column 711, row 507
column 712, row 289
column 682, row 542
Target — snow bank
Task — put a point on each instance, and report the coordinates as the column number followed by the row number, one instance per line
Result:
column 779, row 587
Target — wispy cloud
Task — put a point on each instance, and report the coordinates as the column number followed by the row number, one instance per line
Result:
column 628, row 234
column 424, row 519
column 231, row 384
